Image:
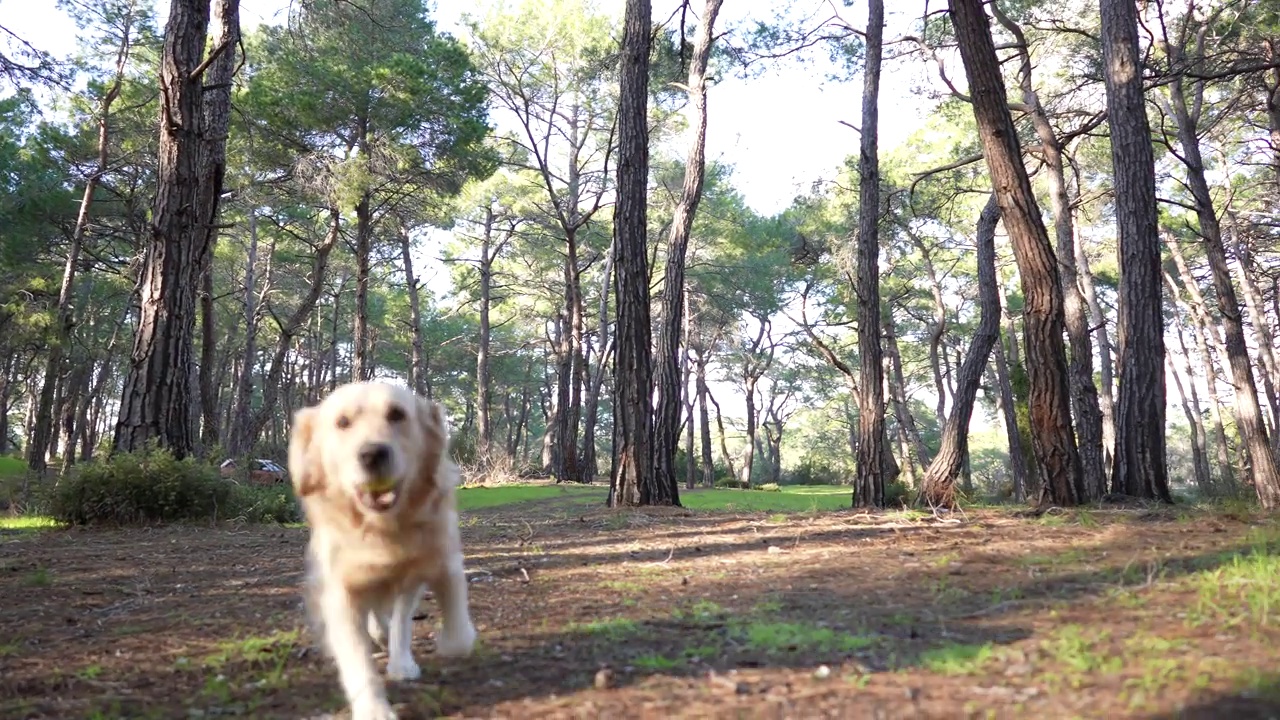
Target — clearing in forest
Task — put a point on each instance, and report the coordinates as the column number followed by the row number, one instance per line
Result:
column 753, row 612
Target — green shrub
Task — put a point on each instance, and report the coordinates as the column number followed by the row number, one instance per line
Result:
column 769, row 487
column 264, row 504
column 897, row 493
column 812, row 471
column 731, row 483
column 141, row 487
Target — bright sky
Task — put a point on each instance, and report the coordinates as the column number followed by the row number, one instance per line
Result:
column 781, row 131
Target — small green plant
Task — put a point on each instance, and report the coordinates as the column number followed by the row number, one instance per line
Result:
column 613, row 628
column 39, row 578
column 794, row 637
column 769, row 487
column 655, row 662
column 958, row 658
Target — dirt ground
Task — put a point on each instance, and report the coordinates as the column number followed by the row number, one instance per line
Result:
column 585, row 612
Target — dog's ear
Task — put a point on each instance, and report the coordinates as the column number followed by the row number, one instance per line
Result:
column 434, row 428
column 307, row 475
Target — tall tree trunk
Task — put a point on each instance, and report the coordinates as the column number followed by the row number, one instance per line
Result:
column 938, row 487
column 1191, row 408
column 1140, row 467
column 591, row 407
column 296, row 322
column 361, row 362
column 157, row 397
column 483, row 391
column 869, row 482
column 1203, row 333
column 225, row 30
column 241, row 443
column 1253, row 432
column 1262, row 327
column 704, row 420
column 36, row 459
column 1050, row 401
column 902, row 409
column 631, row 480
column 1084, row 394
column 1106, row 396
column 666, row 431
column 417, row 361
column 724, row 443
column 937, row 331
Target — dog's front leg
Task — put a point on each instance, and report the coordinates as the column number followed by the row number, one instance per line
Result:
column 400, row 663
column 457, row 634
column 350, row 646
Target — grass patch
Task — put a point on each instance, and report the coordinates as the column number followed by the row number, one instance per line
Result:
column 476, row 498
column 802, row 637
column 1245, row 588
column 29, row 523
column 612, row 628
column 958, row 658
column 656, row 663
column 789, row 499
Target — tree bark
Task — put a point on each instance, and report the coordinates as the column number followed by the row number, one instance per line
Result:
column 1206, row 342
column 938, row 487
column 1191, row 408
column 417, row 360
column 1261, row 326
column 631, row 480
column 870, row 481
column 157, row 397
column 666, row 428
column 902, row 409
column 271, row 385
column 361, row 363
column 704, row 420
column 65, row 325
column 241, row 443
column 1140, row 467
column 483, row 392
column 587, row 458
column 1106, row 395
column 1050, row 403
column 1253, row 431
column 1084, row 394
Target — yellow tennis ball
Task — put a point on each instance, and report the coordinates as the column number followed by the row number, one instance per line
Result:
column 381, row 484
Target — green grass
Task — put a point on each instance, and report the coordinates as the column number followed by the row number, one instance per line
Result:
column 29, row 522
column 791, row 498
column 802, row 637
column 484, row 497
column 958, row 659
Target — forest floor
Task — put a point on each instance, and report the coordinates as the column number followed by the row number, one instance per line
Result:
column 689, row 613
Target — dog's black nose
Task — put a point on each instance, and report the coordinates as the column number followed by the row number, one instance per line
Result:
column 373, row 456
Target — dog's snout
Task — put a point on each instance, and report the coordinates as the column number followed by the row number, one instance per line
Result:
column 374, row 456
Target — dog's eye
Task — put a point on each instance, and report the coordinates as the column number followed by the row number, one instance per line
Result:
column 395, row 414
column 344, row 422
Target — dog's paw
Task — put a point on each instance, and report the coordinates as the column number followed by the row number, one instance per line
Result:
column 403, row 668
column 372, row 709
column 456, row 641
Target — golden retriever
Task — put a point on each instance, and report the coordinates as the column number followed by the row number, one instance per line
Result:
column 371, row 469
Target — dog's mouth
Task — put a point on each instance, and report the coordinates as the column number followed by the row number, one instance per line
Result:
column 379, row 497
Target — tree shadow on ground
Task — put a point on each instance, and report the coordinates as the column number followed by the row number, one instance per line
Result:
column 901, row 617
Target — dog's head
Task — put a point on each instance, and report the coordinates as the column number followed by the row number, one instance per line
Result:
column 380, row 445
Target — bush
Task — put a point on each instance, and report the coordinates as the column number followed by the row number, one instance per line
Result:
column 898, row 493
column 730, row 483
column 154, row 487
column 812, row 471
column 769, row 487
column 264, row 504
column 139, row 488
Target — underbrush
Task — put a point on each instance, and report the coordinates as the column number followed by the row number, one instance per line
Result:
column 155, row 487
